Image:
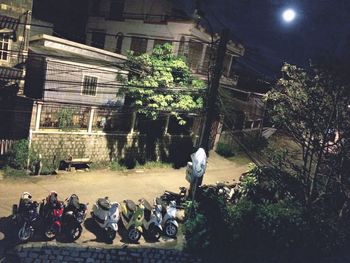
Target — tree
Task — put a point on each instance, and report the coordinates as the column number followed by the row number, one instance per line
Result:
column 312, row 107
column 162, row 82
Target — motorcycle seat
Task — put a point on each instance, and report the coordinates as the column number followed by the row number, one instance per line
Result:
column 130, row 205
column 147, row 205
column 104, row 204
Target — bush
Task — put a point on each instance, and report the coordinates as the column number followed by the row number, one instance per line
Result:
column 18, row 156
column 268, row 223
column 224, row 150
column 254, row 142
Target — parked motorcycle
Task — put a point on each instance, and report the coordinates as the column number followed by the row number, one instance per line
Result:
column 152, row 220
column 179, row 198
column 168, row 211
column 25, row 215
column 132, row 216
column 51, row 210
column 73, row 216
column 106, row 215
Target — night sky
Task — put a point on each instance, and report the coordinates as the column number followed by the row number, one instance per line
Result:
column 320, row 30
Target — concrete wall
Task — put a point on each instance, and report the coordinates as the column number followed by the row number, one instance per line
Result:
column 57, row 146
column 43, row 253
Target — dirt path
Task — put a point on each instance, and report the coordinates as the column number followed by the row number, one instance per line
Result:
column 118, row 186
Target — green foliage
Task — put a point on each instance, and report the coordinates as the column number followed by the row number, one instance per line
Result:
column 224, row 150
column 153, row 77
column 11, row 172
column 19, row 154
column 268, row 215
column 254, row 142
column 65, row 119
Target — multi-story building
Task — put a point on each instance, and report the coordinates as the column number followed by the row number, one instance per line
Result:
column 139, row 25
column 15, row 20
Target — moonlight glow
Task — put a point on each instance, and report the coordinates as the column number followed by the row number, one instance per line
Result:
column 288, row 15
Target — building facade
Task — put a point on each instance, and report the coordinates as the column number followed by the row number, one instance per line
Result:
column 138, row 26
column 15, row 20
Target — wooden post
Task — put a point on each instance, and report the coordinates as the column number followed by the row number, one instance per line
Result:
column 133, row 121
column 91, row 119
column 166, row 124
column 38, row 115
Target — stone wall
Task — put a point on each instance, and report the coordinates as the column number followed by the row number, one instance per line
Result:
column 57, row 146
column 42, row 253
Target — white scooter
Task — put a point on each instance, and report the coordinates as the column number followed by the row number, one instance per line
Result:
column 106, row 215
column 152, row 220
column 169, row 223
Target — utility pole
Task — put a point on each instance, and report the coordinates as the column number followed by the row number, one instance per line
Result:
column 211, row 110
column 213, row 90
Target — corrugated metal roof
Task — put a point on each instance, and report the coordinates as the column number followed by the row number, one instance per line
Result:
column 73, row 57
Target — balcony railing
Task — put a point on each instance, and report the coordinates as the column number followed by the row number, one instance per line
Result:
column 147, row 18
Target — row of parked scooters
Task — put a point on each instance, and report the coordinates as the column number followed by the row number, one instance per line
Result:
column 66, row 217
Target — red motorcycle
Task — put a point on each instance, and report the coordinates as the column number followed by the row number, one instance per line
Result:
column 51, row 210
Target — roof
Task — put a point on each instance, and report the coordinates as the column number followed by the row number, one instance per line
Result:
column 64, row 44
column 73, row 57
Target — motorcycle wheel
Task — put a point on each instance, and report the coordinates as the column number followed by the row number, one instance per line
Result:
column 75, row 232
column 24, row 233
column 133, row 234
column 51, row 232
column 154, row 232
column 111, row 234
column 170, row 230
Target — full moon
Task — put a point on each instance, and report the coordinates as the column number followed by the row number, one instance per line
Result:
column 288, row 15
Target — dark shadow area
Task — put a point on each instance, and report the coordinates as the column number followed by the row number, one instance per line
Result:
column 180, row 150
column 123, row 233
column 90, row 225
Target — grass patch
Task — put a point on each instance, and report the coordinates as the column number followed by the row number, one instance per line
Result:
column 13, row 173
column 225, row 150
column 116, row 166
column 152, row 165
column 240, row 159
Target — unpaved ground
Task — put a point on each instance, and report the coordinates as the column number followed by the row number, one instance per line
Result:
column 118, row 186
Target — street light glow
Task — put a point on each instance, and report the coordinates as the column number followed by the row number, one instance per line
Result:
column 288, row 15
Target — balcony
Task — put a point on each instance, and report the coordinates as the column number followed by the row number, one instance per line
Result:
column 146, row 18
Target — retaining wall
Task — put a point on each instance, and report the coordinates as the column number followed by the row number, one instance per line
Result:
column 56, row 146
column 61, row 254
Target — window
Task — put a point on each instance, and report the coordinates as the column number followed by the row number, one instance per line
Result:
column 4, row 47
column 182, row 50
column 138, row 45
column 98, row 39
column 116, row 10
column 118, row 48
column 89, row 85
column 194, row 55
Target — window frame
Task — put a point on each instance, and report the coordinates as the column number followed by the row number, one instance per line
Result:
column 7, row 51
column 98, row 44
column 137, row 38
column 83, row 85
